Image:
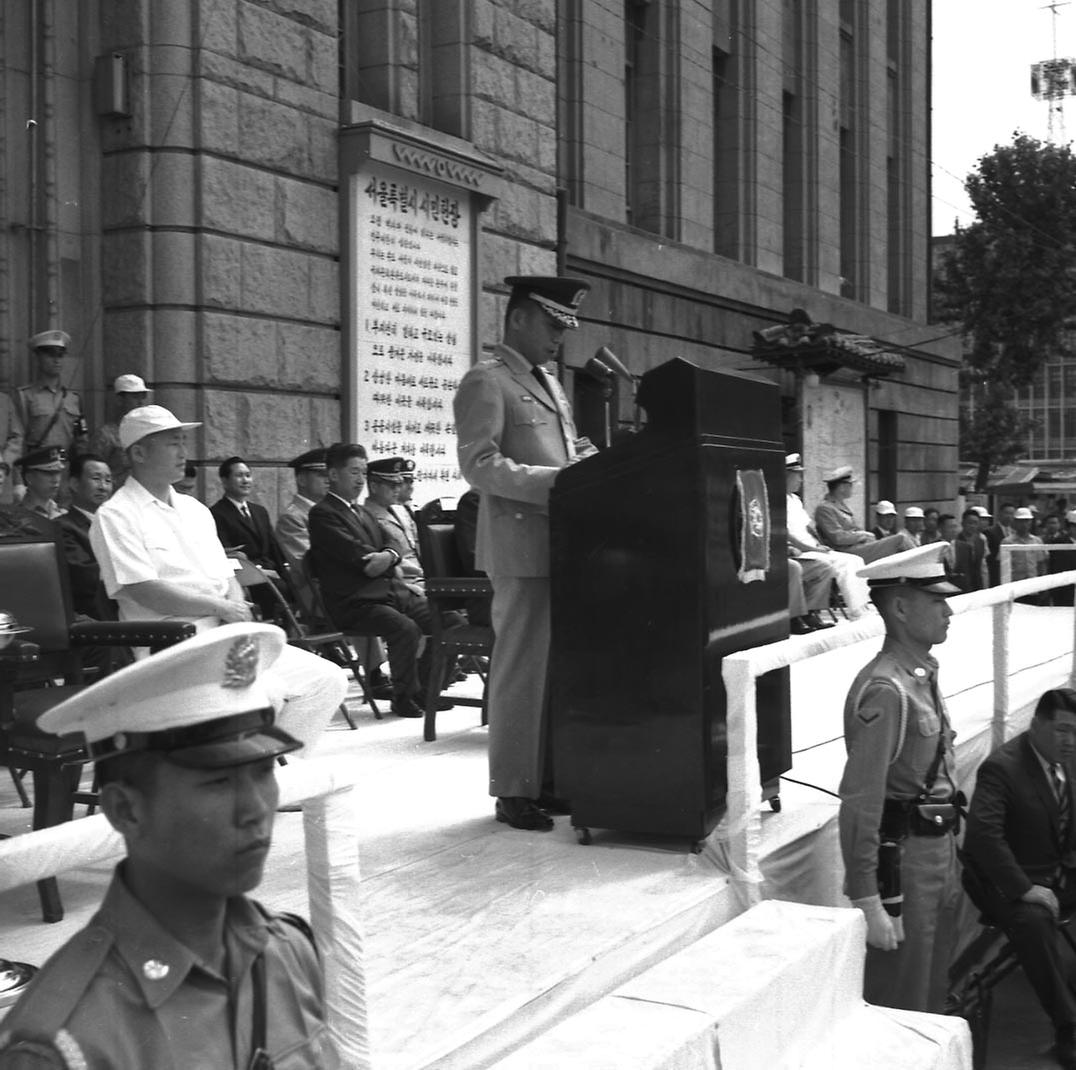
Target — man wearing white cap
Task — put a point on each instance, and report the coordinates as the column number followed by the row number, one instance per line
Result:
column 1026, row 564
column 898, row 797
column 885, row 519
column 161, row 559
column 131, row 393
column 915, row 523
column 839, row 529
column 51, row 415
column 178, row 967
column 805, row 547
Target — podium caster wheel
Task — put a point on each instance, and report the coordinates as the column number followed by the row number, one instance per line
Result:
column 582, row 836
column 775, row 803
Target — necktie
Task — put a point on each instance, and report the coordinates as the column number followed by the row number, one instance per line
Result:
column 244, row 511
column 539, row 374
column 1061, row 791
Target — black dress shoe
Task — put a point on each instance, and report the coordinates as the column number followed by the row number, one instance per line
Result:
column 1065, row 1046
column 553, row 804
column 406, row 706
column 522, row 814
column 799, row 626
column 816, row 622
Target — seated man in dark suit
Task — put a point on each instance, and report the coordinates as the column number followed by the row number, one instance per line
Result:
column 90, row 486
column 245, row 525
column 359, row 575
column 1021, row 847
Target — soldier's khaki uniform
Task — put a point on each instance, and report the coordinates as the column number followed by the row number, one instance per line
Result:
column 892, row 719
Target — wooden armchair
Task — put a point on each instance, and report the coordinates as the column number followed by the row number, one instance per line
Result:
column 447, row 588
column 44, row 665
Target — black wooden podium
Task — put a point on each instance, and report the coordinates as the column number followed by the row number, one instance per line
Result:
column 647, row 597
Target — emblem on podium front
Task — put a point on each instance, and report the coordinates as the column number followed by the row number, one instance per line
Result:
column 754, row 533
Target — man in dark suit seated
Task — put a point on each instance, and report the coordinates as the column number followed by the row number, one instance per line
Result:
column 245, row 525
column 1020, row 854
column 359, row 576
column 90, row 486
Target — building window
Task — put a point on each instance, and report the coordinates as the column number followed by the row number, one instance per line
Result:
column 651, row 103
column 570, row 147
column 898, row 162
column 849, row 148
column 408, row 58
column 793, row 143
column 635, row 12
column 725, row 119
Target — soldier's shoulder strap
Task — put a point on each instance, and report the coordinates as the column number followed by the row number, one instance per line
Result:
column 43, row 1012
column 295, row 921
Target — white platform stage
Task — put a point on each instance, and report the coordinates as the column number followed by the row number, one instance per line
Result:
column 480, row 938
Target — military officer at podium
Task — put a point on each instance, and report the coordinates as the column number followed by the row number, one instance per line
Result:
column 179, row 967
column 515, row 432
column 898, row 813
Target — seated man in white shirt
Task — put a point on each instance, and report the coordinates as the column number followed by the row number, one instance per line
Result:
column 161, row 559
column 806, row 548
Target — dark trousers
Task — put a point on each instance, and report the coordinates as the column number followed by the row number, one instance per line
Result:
column 401, row 621
column 1043, row 953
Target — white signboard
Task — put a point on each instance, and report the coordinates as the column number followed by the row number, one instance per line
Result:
column 414, row 331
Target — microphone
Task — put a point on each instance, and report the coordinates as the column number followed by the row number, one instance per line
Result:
column 607, row 357
column 598, row 369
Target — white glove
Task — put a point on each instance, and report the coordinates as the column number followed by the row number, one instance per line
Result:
column 883, row 932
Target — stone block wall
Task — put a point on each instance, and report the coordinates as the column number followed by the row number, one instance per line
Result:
column 220, row 245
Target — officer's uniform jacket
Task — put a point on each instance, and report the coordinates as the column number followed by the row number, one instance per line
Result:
column 125, row 994
column 293, row 530
column 513, row 438
column 398, row 537
column 837, row 525
column 37, row 404
column 892, row 718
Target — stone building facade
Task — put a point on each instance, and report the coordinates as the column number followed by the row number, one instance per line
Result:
column 175, row 196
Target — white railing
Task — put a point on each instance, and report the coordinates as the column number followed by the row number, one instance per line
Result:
column 325, row 787
column 1006, row 551
column 741, row 829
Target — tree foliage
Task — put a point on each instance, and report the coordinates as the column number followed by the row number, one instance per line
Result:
column 1009, row 281
column 1010, row 278
column 993, row 430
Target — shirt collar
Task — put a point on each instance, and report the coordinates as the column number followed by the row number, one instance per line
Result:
column 85, row 512
column 1047, row 767
column 304, row 500
column 143, row 497
column 155, row 958
column 333, row 494
column 911, row 660
column 514, row 359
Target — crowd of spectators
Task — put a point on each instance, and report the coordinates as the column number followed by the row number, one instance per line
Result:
column 825, row 550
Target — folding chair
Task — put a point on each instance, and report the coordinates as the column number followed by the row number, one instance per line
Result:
column 327, row 644
column 448, row 589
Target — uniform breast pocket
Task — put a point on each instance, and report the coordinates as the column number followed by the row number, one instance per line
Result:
column 927, row 722
column 529, row 413
column 71, row 404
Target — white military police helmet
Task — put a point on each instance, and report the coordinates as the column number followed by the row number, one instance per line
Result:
column 205, row 703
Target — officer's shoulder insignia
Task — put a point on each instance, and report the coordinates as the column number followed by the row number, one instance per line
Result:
column 868, row 715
